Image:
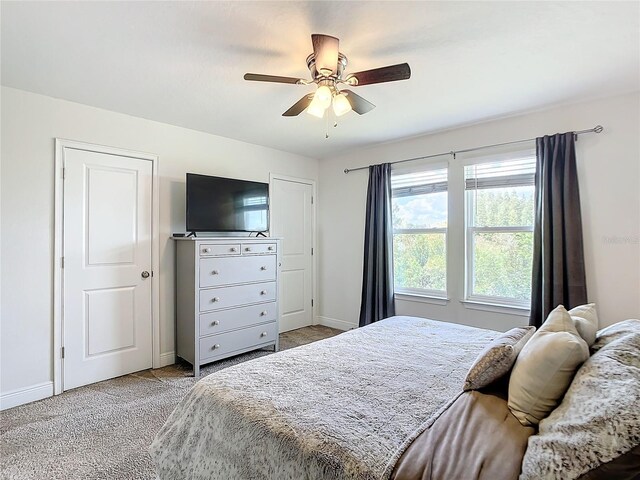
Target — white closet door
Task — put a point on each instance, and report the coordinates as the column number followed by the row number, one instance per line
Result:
column 107, row 322
column 292, row 219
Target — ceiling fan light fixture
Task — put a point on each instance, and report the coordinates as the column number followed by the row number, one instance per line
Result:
column 323, row 96
column 341, row 105
column 327, row 66
column 316, row 109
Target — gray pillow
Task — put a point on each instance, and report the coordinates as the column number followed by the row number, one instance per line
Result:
column 497, row 358
column 598, row 419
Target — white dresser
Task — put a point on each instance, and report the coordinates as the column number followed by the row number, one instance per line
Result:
column 226, row 297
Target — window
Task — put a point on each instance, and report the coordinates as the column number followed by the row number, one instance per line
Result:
column 499, row 230
column 419, row 203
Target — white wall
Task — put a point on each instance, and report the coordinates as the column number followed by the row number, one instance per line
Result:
column 609, row 170
column 30, row 123
column 609, row 173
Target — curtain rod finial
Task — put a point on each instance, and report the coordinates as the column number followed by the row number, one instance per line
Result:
column 346, row 170
column 598, row 128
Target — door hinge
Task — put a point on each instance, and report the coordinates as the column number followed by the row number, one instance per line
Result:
column 311, row 250
column 64, row 172
column 152, row 273
column 312, row 302
column 311, row 199
column 61, row 262
column 62, row 352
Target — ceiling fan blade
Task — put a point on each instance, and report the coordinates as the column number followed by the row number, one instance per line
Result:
column 299, row 106
column 257, row 77
column 358, row 104
column 391, row 73
column 325, row 50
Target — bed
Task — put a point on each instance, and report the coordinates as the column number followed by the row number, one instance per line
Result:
column 376, row 403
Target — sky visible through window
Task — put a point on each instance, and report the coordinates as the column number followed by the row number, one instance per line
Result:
column 421, row 211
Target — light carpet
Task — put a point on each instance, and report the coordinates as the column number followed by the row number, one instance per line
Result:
column 103, row 431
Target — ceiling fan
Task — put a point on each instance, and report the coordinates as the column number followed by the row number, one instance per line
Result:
column 327, row 66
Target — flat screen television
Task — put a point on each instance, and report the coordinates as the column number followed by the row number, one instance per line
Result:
column 217, row 204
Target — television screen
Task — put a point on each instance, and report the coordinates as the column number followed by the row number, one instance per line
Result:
column 216, row 204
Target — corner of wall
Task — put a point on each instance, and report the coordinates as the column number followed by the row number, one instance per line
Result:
column 335, row 323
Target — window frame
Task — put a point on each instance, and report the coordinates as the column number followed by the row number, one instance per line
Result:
column 470, row 230
column 425, row 292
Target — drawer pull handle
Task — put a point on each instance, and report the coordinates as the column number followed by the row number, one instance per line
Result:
column 215, row 323
column 263, row 292
column 216, row 346
column 247, row 249
column 234, row 249
column 206, row 250
column 263, row 313
column 269, row 248
column 215, row 299
column 263, row 334
column 214, row 272
column 263, row 268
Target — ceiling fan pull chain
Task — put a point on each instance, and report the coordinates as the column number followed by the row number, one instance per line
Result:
column 326, row 128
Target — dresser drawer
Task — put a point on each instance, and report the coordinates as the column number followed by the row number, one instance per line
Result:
column 226, row 297
column 219, row 271
column 254, row 248
column 225, row 320
column 219, row 345
column 207, row 250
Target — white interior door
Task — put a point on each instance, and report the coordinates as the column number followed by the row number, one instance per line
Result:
column 292, row 219
column 107, row 320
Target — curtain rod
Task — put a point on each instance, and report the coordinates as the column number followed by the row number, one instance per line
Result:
column 596, row 129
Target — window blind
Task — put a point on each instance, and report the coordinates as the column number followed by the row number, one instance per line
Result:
column 419, row 183
column 510, row 173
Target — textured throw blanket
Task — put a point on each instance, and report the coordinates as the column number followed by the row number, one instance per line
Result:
column 599, row 417
column 341, row 408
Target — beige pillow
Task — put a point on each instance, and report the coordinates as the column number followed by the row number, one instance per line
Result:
column 497, row 358
column 585, row 318
column 545, row 368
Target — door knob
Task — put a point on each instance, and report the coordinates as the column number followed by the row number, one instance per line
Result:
column 145, row 274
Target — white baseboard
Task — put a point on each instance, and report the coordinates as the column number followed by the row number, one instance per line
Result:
column 21, row 396
column 168, row 358
column 335, row 323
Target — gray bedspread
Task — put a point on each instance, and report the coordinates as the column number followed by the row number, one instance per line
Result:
column 341, row 408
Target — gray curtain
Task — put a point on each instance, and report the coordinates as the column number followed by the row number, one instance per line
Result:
column 377, row 282
column 558, row 254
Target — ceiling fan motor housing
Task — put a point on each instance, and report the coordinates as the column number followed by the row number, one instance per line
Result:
column 319, row 76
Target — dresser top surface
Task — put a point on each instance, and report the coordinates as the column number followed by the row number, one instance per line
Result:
column 226, row 239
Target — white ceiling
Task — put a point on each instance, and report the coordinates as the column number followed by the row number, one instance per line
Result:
column 182, row 62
